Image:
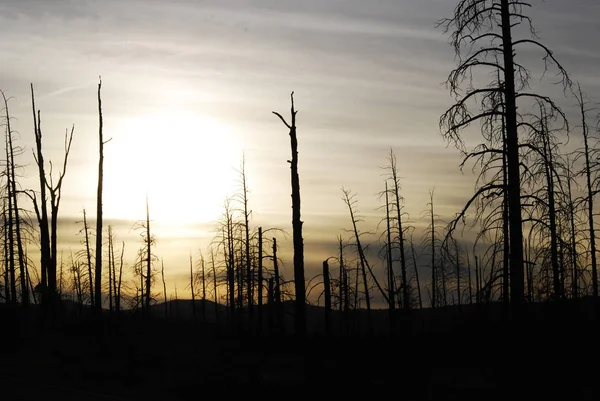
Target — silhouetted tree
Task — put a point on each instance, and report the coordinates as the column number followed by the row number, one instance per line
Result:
column 12, row 185
column 300, row 304
column 482, row 36
column 98, row 264
column 590, row 172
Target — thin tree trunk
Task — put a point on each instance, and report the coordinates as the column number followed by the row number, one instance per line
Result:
column 327, row 288
column 192, row 289
column 149, row 259
column 405, row 287
column 249, row 285
column 414, row 258
column 203, row 305
column 7, row 280
column 98, row 264
column 118, row 293
column 433, row 267
column 300, row 304
column 391, row 277
column 470, row 279
column 17, row 221
column 89, row 258
column 458, row 291
column 162, row 275
column 551, row 211
column 590, row 197
column 110, row 270
column 574, row 269
column 260, row 278
column 216, row 296
column 44, row 236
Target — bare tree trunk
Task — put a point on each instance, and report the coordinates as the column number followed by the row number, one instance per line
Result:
column 574, row 268
column 300, row 304
column 505, row 223
column 162, row 275
column 277, row 289
column 192, row 289
column 118, row 292
column 216, row 296
column 98, row 264
column 260, row 278
column 110, row 270
column 10, row 232
column 249, row 285
column 89, row 258
column 326, row 284
column 149, row 260
column 276, row 273
column 477, row 282
column 203, row 305
column 433, row 268
column 405, row 287
column 458, row 291
column 590, row 195
column 517, row 282
column 391, row 276
column 17, row 221
column 414, row 258
column 7, row 280
column 44, row 236
column 547, row 152
column 470, row 279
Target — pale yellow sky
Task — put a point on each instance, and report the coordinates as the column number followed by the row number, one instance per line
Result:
column 188, row 88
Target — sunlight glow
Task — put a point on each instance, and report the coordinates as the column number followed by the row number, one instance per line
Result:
column 183, row 161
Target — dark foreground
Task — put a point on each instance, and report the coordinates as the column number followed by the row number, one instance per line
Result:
column 153, row 359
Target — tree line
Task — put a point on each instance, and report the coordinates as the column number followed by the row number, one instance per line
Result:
column 531, row 218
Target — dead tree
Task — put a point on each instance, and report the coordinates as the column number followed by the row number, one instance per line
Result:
column 192, row 290
column 300, row 287
column 364, row 263
column 98, row 264
column 393, row 170
column 162, row 275
column 149, row 243
column 588, row 171
column 88, row 255
column 15, row 207
column 483, row 29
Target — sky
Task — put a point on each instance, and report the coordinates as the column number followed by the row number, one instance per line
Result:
column 188, row 90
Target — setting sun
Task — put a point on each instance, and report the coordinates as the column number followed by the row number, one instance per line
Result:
column 183, row 161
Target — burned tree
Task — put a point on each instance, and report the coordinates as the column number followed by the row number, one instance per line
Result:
column 481, row 33
column 299, row 284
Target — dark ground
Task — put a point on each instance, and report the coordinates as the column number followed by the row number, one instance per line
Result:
column 469, row 356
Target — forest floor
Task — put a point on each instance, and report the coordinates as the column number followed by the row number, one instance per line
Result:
column 82, row 359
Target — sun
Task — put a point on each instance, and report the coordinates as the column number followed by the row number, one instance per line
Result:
column 183, row 162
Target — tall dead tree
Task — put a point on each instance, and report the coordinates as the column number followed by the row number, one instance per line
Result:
column 9, row 231
column 391, row 276
column 393, row 169
column 481, row 33
column 98, row 264
column 299, row 284
column 149, row 258
column 590, row 166
column 43, row 220
column 364, row 263
column 260, row 278
column 15, row 206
